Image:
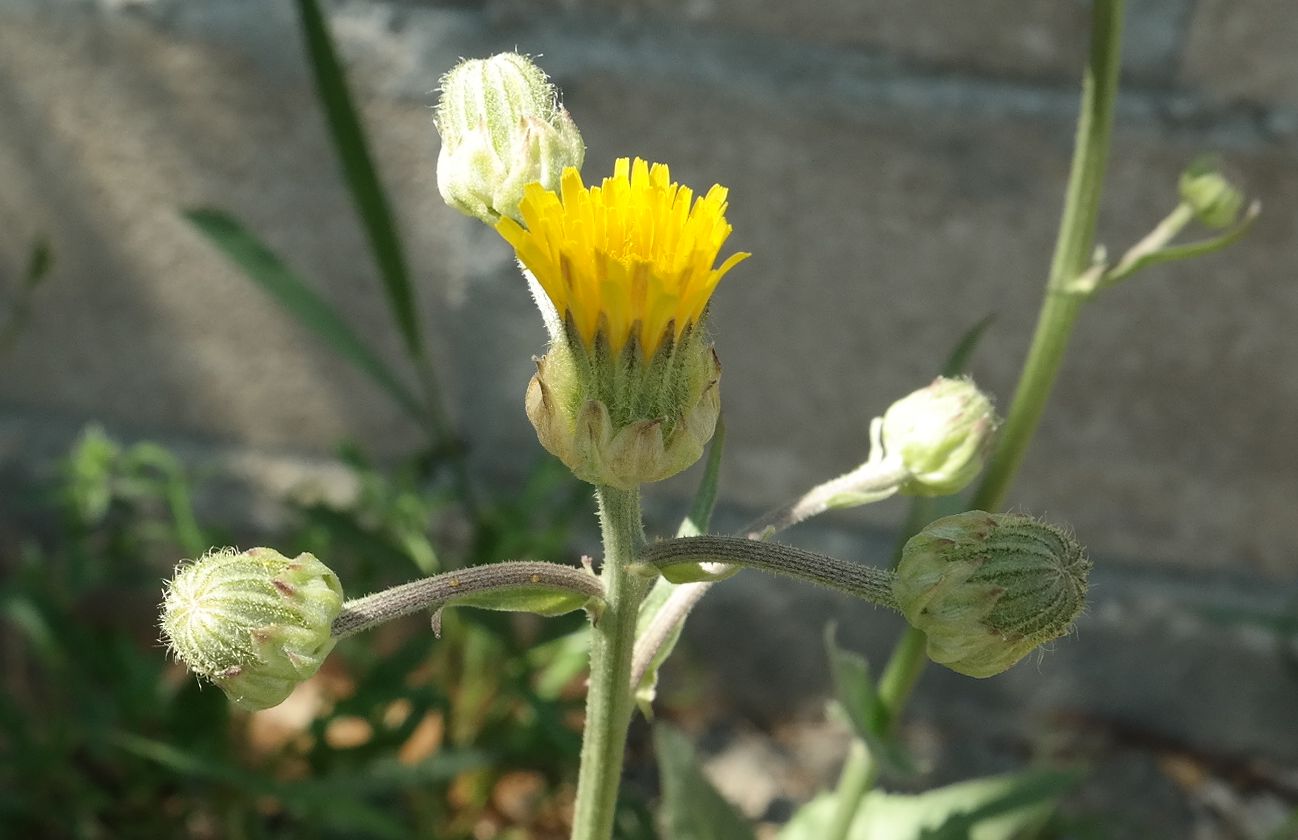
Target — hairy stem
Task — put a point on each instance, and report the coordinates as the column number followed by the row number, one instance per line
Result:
column 609, row 701
column 876, row 479
column 433, row 593
column 865, row 582
column 873, row 481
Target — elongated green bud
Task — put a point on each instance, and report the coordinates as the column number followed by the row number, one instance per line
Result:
column 941, row 434
column 255, row 623
column 502, row 128
column 988, row 588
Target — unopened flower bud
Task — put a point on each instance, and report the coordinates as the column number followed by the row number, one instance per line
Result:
column 987, row 588
column 941, row 434
column 1216, row 203
column 502, row 128
column 255, row 623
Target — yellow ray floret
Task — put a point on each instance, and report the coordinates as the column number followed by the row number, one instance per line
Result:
column 635, row 251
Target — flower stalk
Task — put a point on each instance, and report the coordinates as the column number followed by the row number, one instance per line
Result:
column 876, row 479
column 551, row 588
column 609, row 701
column 733, row 553
column 1073, row 249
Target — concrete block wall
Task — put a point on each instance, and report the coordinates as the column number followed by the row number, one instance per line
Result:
column 895, row 167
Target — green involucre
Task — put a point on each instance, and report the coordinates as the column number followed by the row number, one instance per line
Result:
column 986, row 589
column 620, row 420
column 255, row 623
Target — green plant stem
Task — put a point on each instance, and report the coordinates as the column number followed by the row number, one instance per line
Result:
column 1073, row 249
column 438, row 591
column 860, row 771
column 1054, row 327
column 733, row 553
column 609, row 701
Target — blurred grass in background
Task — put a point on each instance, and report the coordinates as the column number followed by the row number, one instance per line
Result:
column 401, row 735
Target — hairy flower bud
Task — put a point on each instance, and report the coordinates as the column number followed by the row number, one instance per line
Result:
column 941, row 434
column 615, row 423
column 255, row 623
column 1216, row 203
column 988, row 588
column 502, row 128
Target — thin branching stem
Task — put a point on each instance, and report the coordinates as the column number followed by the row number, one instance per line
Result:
column 433, row 593
column 1074, row 248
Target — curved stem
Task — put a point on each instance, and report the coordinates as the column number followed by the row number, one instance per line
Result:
column 873, row 481
column 609, row 701
column 876, row 479
column 433, row 593
column 865, row 582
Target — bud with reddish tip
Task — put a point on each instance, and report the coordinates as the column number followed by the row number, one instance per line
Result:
column 255, row 623
column 986, row 589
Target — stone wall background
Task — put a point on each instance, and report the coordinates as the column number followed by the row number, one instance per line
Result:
column 896, row 167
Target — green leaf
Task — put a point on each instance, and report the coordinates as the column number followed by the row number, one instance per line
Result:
column 358, row 168
column 542, row 600
column 334, row 800
column 992, row 808
column 268, row 271
column 692, row 809
column 556, row 663
column 653, row 603
column 39, row 263
column 20, row 611
column 859, row 700
column 699, row 518
column 690, row 571
column 957, row 363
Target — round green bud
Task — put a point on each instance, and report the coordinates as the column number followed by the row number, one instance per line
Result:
column 941, row 434
column 987, row 588
column 502, row 128
column 255, row 623
column 1215, row 202
column 623, row 420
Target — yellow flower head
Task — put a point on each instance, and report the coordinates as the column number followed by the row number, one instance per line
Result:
column 633, row 257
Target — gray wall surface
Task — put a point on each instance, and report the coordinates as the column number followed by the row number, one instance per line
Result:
column 895, row 167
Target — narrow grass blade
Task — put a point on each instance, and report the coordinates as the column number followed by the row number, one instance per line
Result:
column 268, row 271
column 696, row 523
column 358, row 169
column 958, row 361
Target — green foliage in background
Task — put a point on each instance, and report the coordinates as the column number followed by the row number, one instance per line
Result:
column 103, row 737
